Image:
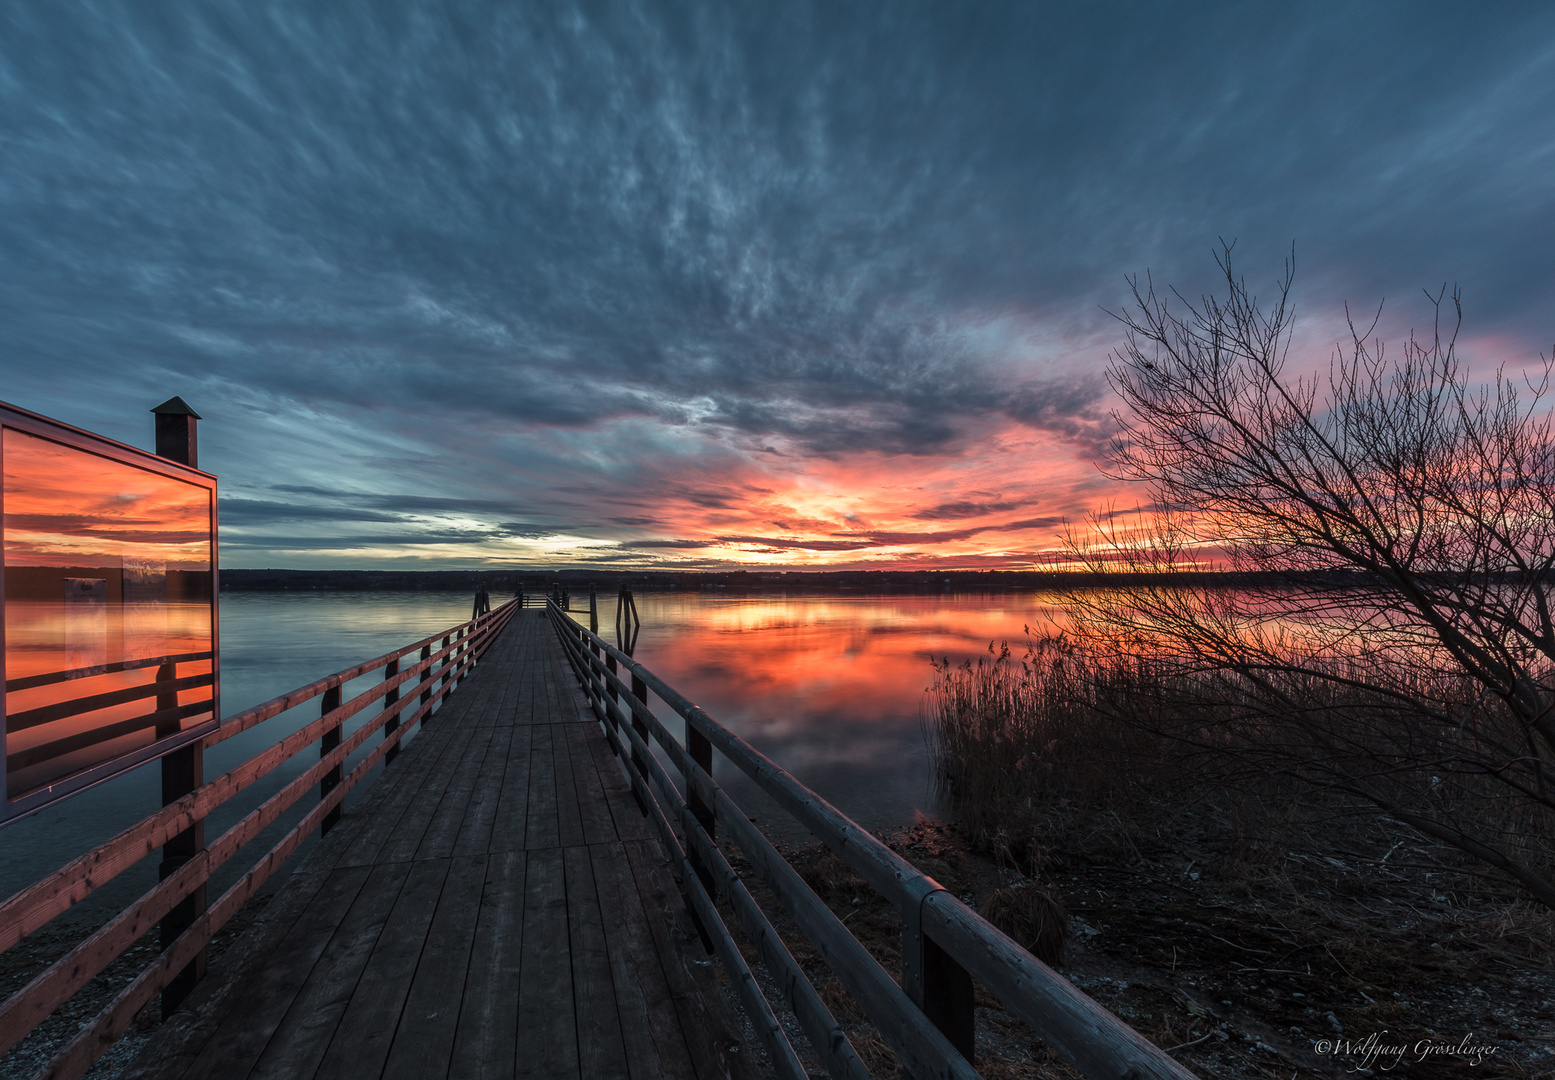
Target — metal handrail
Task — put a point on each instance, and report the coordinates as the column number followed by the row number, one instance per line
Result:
column 965, row 945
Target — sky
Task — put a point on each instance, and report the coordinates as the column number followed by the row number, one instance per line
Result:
column 721, row 285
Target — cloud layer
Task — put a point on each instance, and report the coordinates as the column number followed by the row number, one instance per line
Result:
column 673, row 282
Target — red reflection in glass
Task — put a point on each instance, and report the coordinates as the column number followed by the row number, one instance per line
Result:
column 108, row 609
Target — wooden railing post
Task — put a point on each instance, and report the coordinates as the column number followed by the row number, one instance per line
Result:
column 448, row 661
column 939, row 986
column 464, row 646
column 701, row 751
column 426, row 682
column 391, row 669
column 328, row 703
column 593, row 620
column 183, row 771
column 640, row 692
column 610, row 666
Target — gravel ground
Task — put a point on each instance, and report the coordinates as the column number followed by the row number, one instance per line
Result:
column 20, row 964
column 1258, row 964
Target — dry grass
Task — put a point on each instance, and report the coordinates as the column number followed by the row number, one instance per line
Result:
column 1033, row 917
column 1235, row 915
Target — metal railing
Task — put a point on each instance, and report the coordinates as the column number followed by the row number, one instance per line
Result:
column 927, row 1018
column 440, row 663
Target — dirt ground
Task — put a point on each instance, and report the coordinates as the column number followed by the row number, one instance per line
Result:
column 1246, row 961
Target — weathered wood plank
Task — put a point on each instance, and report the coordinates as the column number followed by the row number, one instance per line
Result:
column 509, row 828
column 601, row 1051
column 486, row 1039
column 442, row 829
column 475, row 829
column 644, row 1001
column 362, row 1040
column 257, row 1011
column 407, row 833
column 588, row 786
column 304, row 1035
column 569, row 815
column 630, row 821
column 547, row 1037
column 542, row 826
column 424, row 1038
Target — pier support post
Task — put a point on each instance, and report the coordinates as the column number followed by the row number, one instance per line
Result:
column 183, row 770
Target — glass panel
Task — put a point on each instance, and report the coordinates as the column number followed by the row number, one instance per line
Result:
column 108, row 609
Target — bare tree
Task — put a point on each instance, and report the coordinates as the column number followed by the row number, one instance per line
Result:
column 1390, row 634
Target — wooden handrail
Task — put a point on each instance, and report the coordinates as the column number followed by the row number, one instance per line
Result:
column 1095, row 1041
column 35, row 906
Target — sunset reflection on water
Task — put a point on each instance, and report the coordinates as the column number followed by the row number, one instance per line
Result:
column 830, row 687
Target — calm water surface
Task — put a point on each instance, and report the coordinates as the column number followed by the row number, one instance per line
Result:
column 830, row 687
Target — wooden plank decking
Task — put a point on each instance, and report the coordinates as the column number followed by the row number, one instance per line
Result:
column 496, row 908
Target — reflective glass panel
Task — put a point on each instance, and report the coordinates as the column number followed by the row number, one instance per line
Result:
column 108, row 609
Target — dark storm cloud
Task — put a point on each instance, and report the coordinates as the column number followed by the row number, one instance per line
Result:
column 258, row 511
column 806, row 229
column 772, row 543
column 667, row 544
column 957, row 510
column 887, row 537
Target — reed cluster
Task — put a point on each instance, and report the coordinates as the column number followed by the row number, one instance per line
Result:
column 1020, row 745
column 1046, row 752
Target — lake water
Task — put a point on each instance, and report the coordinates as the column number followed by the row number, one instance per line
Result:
column 830, row 687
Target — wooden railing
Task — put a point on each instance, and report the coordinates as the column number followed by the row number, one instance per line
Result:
column 440, row 663
column 927, row 1018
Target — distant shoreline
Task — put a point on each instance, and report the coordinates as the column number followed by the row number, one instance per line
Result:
column 753, row 581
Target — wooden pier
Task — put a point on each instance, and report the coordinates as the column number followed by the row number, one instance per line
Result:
column 502, row 903
column 497, row 907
